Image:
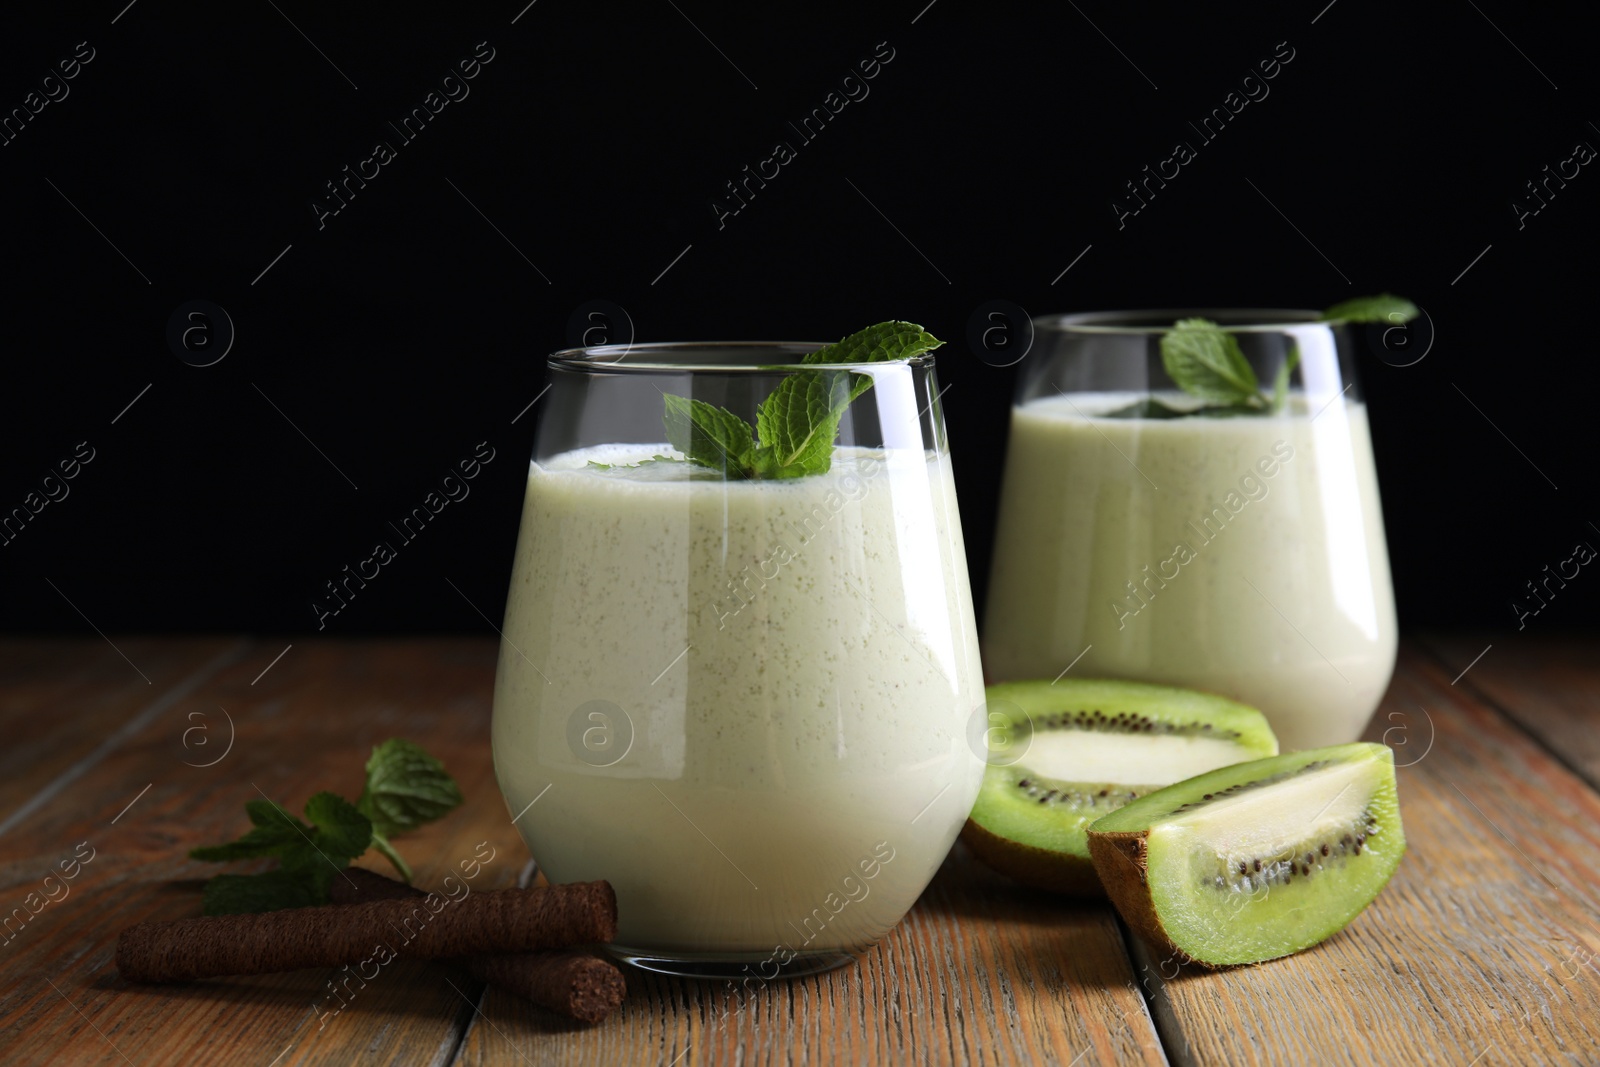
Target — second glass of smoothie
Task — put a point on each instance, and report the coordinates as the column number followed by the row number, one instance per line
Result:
column 743, row 702
column 1242, row 555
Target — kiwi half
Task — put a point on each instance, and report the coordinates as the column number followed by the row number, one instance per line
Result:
column 1253, row 862
column 1085, row 748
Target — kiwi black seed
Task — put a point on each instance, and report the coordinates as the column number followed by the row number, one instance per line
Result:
column 1279, row 868
column 1327, row 832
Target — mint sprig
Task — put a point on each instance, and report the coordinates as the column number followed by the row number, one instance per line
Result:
column 798, row 422
column 405, row 788
column 1205, row 361
column 309, row 856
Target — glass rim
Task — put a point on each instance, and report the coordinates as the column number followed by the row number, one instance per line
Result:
column 1138, row 321
column 613, row 359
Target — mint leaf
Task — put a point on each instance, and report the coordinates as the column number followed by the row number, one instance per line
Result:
column 710, row 436
column 239, row 894
column 800, row 419
column 1206, row 361
column 1229, row 411
column 309, row 856
column 877, row 344
column 1385, row 307
column 1280, row 383
column 405, row 788
column 651, row 462
column 1148, row 408
column 341, row 831
column 798, row 422
column 276, row 832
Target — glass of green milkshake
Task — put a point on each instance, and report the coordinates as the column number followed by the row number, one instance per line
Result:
column 740, row 656
column 1198, row 507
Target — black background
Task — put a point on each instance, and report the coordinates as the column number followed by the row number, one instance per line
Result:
column 410, row 326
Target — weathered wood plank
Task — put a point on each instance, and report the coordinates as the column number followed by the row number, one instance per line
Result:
column 1479, row 949
column 1483, row 948
column 981, row 971
column 62, row 699
column 1549, row 685
column 308, row 725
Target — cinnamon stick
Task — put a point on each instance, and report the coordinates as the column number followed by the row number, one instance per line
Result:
column 568, row 981
column 503, row 920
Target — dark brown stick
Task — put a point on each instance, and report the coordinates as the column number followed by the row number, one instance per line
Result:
column 500, row 920
column 567, row 981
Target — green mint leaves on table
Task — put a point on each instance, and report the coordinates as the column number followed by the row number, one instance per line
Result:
column 405, row 788
column 798, row 421
column 1205, row 361
column 309, row 857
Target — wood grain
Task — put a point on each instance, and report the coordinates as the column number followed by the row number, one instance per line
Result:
column 1549, row 685
column 1483, row 950
column 61, row 700
column 981, row 971
column 308, row 725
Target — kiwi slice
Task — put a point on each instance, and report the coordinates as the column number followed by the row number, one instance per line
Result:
column 1255, row 861
column 1077, row 749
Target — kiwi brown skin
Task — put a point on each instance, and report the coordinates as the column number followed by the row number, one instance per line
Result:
column 1038, row 835
column 1121, row 861
column 1140, row 867
column 1040, row 868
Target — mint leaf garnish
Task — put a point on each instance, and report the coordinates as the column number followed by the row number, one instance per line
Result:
column 797, row 423
column 652, row 461
column 1385, row 307
column 1206, row 361
column 710, row 436
column 1280, row 383
column 1147, row 408
column 405, row 788
column 877, row 344
column 799, row 420
column 1228, row 411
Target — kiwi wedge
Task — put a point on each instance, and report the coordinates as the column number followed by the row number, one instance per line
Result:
column 1077, row 749
column 1252, row 862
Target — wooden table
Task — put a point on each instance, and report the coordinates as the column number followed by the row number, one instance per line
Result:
column 1484, row 950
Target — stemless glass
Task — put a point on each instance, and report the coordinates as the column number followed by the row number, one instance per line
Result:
column 1240, row 555
column 743, row 702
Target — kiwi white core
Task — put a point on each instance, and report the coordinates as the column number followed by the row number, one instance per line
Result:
column 1260, row 822
column 1099, row 756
